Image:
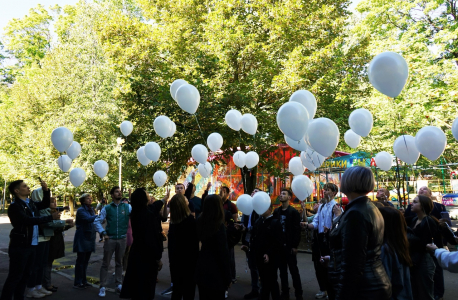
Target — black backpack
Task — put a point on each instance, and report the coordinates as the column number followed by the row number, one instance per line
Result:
column 233, row 235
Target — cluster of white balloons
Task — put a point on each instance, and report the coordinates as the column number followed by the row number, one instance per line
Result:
column 164, row 127
column 260, row 203
column 200, row 154
column 186, row 95
column 247, row 122
column 361, row 122
column 302, row 187
column 242, row 159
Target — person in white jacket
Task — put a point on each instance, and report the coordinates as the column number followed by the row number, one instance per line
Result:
column 448, row 260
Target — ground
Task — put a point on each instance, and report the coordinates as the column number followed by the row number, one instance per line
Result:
column 63, row 276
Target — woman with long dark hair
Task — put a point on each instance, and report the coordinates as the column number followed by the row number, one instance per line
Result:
column 426, row 231
column 395, row 253
column 355, row 268
column 183, row 249
column 213, row 272
column 145, row 255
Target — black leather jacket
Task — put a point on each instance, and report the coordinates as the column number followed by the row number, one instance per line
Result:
column 355, row 268
column 23, row 220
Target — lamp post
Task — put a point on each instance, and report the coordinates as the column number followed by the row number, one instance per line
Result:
column 120, row 141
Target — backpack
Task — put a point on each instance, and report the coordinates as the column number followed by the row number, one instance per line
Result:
column 233, row 235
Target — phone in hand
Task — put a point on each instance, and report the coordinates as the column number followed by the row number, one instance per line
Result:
column 39, row 179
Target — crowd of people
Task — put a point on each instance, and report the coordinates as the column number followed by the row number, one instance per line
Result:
column 369, row 250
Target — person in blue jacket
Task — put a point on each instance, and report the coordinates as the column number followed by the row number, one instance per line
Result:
column 84, row 241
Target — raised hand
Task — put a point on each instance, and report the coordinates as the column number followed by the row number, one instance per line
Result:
column 44, row 186
column 56, row 215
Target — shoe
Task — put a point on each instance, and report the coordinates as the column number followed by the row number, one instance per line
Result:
column 44, row 291
column 114, row 273
column 102, row 292
column 234, row 281
column 87, row 284
column 34, row 294
column 79, row 287
column 101, row 240
column 118, row 289
column 321, row 295
column 226, row 295
column 251, row 295
column 52, row 289
column 167, row 291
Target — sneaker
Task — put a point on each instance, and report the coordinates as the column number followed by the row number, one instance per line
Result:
column 34, row 294
column 101, row 240
column 102, row 292
column 118, row 289
column 234, row 281
column 321, row 295
column 44, row 291
column 52, row 289
column 79, row 287
column 167, row 291
column 87, row 284
column 251, row 295
column 226, row 295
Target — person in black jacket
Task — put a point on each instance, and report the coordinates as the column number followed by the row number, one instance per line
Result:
column 183, row 249
column 213, row 272
column 291, row 222
column 267, row 246
column 24, row 217
column 355, row 268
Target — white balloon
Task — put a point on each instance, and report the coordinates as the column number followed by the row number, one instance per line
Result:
column 61, row 138
column 388, row 73
column 307, row 99
column 251, row 159
column 404, row 147
column 239, row 159
column 361, row 122
column 215, row 141
column 74, row 150
column 64, row 162
column 142, row 157
column 159, row 178
column 163, row 126
column 152, row 151
column 205, row 170
column 307, row 162
column 174, row 87
column 249, row 124
column 233, row 119
column 245, row 204
column 172, row 129
column 293, row 119
column 352, row 139
column 261, row 202
column 188, row 98
column 431, row 142
column 384, row 160
column 300, row 145
column 323, row 135
column 455, row 129
column 302, row 187
column 77, row 177
column 295, row 166
column 200, row 153
column 315, row 158
column 101, row 168
column 126, row 128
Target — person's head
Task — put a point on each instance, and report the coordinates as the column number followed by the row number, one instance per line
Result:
column 356, row 182
column 286, row 195
column 224, row 193
column 37, row 195
column 211, row 218
column 116, row 193
column 179, row 209
column 422, row 204
column 425, row 191
column 19, row 188
column 395, row 234
column 52, row 203
column 330, row 190
column 104, row 200
column 86, row 199
column 383, row 195
column 255, row 191
column 139, row 199
column 268, row 212
column 179, row 188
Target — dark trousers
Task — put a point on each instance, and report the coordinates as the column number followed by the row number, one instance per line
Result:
column 439, row 286
column 320, row 248
column 253, row 270
column 38, row 268
column 289, row 261
column 268, row 275
column 206, row 293
column 232, row 255
column 82, row 261
column 184, row 286
column 422, row 279
column 21, row 262
column 47, row 274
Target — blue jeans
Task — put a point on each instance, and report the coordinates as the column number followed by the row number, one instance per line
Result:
column 82, row 261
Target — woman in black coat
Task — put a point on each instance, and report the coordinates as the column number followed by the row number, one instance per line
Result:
column 145, row 255
column 213, row 273
column 355, row 269
column 183, row 249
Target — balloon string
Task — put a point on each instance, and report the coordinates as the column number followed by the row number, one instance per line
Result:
column 240, row 140
column 200, row 129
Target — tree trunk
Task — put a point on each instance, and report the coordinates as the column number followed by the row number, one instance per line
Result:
column 248, row 179
column 70, row 203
